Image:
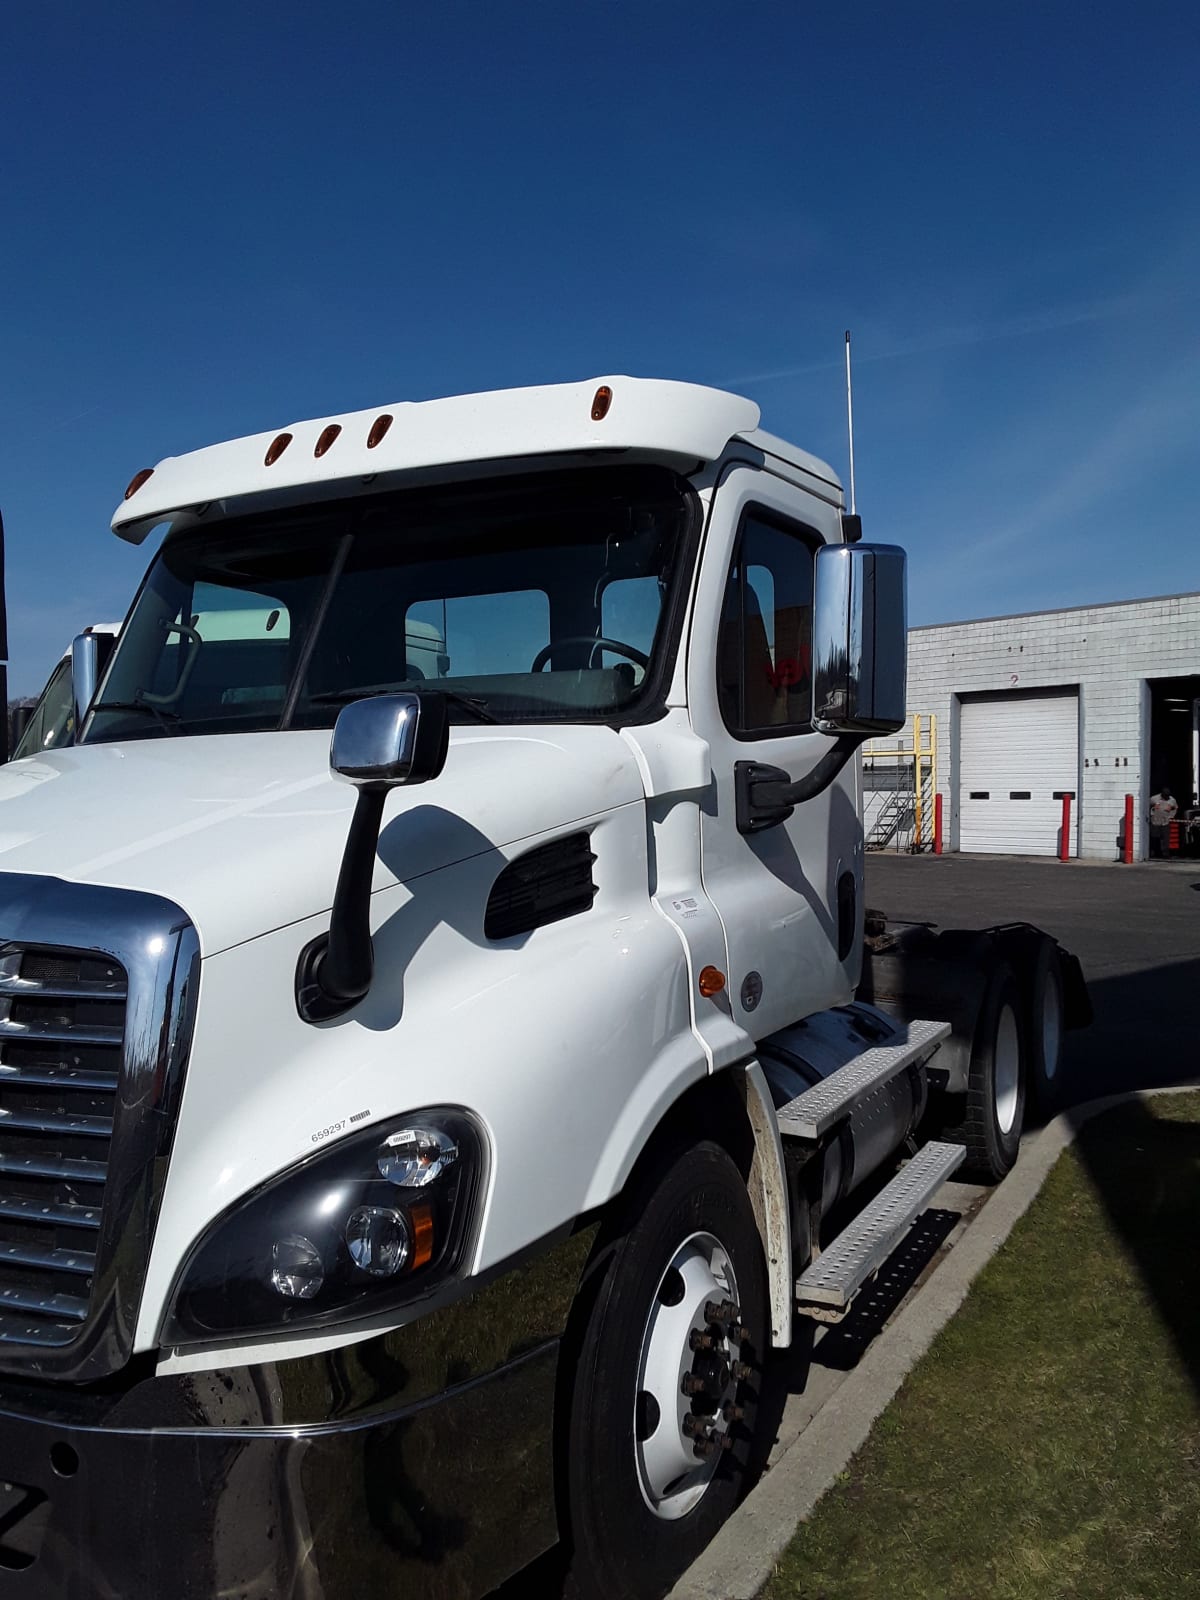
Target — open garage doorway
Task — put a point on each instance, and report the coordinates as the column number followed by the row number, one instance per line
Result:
column 1175, row 752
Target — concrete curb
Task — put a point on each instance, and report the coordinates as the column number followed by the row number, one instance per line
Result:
column 743, row 1555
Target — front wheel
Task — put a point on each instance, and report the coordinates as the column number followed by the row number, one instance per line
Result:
column 665, row 1390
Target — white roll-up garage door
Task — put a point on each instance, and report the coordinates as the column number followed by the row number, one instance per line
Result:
column 1018, row 754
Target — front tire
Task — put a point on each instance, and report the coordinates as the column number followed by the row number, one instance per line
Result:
column 993, row 1109
column 668, row 1370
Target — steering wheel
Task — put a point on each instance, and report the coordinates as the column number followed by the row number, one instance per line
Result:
column 639, row 657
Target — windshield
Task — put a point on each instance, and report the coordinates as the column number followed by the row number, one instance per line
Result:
column 524, row 599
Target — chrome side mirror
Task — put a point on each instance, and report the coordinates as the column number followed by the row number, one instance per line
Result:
column 390, row 739
column 377, row 744
column 860, row 639
column 85, row 675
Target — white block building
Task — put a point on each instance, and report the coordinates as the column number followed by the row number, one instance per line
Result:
column 1095, row 701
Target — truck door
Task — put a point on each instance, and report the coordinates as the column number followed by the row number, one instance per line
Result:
column 788, row 896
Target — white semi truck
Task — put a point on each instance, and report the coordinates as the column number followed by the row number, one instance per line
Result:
column 412, row 1147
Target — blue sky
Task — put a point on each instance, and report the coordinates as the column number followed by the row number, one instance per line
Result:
column 219, row 219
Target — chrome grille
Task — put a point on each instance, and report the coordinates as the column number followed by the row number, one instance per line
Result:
column 62, row 1026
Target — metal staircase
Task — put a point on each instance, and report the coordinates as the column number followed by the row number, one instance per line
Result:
column 894, row 814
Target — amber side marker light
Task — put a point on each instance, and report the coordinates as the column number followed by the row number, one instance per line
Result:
column 276, row 448
column 138, row 479
column 712, row 981
column 328, row 435
column 601, row 401
column 421, row 1218
column 378, row 429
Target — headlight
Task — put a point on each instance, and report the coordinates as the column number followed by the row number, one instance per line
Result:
column 379, row 1218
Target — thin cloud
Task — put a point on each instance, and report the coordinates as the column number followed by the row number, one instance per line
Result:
column 955, row 338
column 1157, row 423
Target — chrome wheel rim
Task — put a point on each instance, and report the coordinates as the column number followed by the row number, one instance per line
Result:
column 684, row 1402
column 1007, row 1069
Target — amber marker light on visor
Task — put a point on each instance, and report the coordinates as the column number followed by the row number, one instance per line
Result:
column 712, row 981
column 378, row 429
column 601, row 401
column 276, row 448
column 138, row 479
column 328, row 435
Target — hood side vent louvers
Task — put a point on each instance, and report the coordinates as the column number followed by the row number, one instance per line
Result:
column 545, row 885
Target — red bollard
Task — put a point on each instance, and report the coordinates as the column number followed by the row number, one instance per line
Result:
column 937, row 824
column 1128, row 851
column 1064, row 843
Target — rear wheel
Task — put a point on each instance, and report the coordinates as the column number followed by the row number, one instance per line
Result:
column 666, row 1386
column 1045, row 990
column 992, row 1112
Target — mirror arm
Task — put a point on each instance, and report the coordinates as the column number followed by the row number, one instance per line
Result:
column 767, row 796
column 335, row 969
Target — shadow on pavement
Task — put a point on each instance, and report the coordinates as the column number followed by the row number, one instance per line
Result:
column 1145, row 1034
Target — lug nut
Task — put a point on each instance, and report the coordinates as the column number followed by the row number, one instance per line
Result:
column 692, row 1384
column 741, row 1371
column 703, row 1448
column 726, row 1441
column 721, row 1311
column 694, row 1427
column 732, row 1413
column 738, row 1334
column 699, row 1340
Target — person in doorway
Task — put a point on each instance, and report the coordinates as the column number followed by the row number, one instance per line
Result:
column 1162, row 814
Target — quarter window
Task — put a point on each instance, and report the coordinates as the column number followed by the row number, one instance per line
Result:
column 764, row 654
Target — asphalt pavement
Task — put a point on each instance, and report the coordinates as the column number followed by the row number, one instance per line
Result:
column 1135, row 929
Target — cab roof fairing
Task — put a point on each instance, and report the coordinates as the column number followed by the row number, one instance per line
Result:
column 682, row 421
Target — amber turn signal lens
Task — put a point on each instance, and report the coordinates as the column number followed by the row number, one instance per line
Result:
column 138, row 479
column 601, row 401
column 276, row 448
column 421, row 1218
column 328, row 435
column 378, row 429
column 712, row 981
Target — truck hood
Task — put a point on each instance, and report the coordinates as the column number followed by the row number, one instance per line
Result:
column 245, row 832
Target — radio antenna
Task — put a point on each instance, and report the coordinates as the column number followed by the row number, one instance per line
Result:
column 850, row 420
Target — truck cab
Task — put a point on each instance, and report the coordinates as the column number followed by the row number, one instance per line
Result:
column 414, row 981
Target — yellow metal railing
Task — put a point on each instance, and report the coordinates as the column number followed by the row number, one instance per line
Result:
column 899, row 785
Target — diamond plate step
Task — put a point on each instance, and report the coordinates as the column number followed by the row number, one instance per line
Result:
column 836, row 1276
column 814, row 1112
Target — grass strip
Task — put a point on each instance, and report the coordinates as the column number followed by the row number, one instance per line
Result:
column 1048, row 1444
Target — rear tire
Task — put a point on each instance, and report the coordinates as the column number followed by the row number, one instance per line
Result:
column 641, row 1504
column 992, row 1112
column 1045, row 988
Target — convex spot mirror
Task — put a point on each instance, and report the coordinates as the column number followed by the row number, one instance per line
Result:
column 390, row 739
column 860, row 639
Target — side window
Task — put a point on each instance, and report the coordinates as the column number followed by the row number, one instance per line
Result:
column 764, row 653
column 53, row 719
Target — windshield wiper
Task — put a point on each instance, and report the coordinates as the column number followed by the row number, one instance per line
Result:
column 167, row 720
column 474, row 707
